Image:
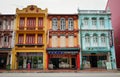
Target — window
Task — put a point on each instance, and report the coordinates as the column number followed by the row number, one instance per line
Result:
column 40, row 39
column 102, row 22
column 31, row 23
column 0, row 24
column 22, row 22
column 62, row 41
column 71, row 41
column 87, row 40
column 94, row 22
column 20, row 39
column 54, row 24
column 54, row 41
column 95, row 40
column 30, row 39
column 103, row 40
column 85, row 23
column 40, row 22
column 9, row 24
column 70, row 24
column 6, row 24
column 6, row 40
column 62, row 24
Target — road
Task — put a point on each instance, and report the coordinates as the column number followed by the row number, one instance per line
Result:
column 59, row 74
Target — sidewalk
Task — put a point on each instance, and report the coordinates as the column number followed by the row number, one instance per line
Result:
column 58, row 71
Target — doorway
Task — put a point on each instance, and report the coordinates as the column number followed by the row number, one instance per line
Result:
column 3, row 61
column 73, row 63
column 55, row 62
column 93, row 61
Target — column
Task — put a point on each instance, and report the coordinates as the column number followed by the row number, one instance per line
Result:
column 90, row 23
column 36, row 38
column 47, row 61
column 50, row 27
column 99, row 40
column 66, row 20
column 82, row 41
column 91, row 40
column 2, row 41
column 36, row 27
column 98, row 25
column 67, row 40
column 75, row 40
column 58, row 40
column 50, row 41
column 78, row 61
column 70, row 59
column 24, row 39
column 107, row 42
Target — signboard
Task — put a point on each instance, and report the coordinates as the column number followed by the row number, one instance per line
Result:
column 96, row 48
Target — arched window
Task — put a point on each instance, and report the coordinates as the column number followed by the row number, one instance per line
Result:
column 87, row 40
column 102, row 22
column 54, row 24
column 94, row 22
column 95, row 39
column 70, row 24
column 103, row 40
column 85, row 22
column 62, row 24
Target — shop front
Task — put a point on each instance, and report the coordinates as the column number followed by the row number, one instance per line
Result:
column 63, row 59
column 30, row 60
column 95, row 60
column 5, row 58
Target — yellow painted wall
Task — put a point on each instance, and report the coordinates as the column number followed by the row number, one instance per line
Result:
column 27, row 12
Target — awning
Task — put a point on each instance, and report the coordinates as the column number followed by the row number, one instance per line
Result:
column 63, row 49
column 5, row 49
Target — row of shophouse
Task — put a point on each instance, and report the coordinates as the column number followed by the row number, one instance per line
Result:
column 33, row 38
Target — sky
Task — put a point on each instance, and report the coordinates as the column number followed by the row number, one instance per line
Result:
column 54, row 6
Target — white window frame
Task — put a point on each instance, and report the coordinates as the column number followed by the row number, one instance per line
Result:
column 85, row 22
column 102, row 22
column 95, row 40
column 62, row 24
column 54, row 24
column 70, row 24
column 94, row 22
column 87, row 40
column 103, row 40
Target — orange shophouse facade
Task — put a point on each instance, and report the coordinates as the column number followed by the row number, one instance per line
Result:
column 62, row 42
column 30, row 39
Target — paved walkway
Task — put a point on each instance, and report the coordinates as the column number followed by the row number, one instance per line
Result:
column 56, row 71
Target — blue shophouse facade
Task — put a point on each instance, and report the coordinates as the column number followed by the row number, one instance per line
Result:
column 96, row 39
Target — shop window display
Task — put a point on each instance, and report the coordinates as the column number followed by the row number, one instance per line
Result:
column 34, row 61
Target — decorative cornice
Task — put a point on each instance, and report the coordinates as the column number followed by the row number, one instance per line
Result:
column 31, row 9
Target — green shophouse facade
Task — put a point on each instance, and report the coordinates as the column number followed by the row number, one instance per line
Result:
column 97, row 46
